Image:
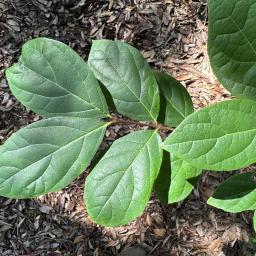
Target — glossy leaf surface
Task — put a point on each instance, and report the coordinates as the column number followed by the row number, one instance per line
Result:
column 232, row 45
column 219, row 137
column 236, row 194
column 128, row 77
column 52, row 80
column 48, row 155
column 178, row 102
column 119, row 187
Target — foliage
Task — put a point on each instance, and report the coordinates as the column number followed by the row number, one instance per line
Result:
column 232, row 53
column 178, row 103
column 232, row 45
column 208, row 139
column 125, row 184
column 75, row 98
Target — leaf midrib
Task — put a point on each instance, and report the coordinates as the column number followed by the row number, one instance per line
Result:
column 179, row 111
column 58, row 85
column 244, row 35
column 125, row 84
column 124, row 172
column 213, row 138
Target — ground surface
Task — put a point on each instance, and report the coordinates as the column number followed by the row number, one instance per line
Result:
column 172, row 36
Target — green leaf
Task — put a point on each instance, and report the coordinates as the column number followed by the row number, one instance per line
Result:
column 178, row 102
column 235, row 194
column 219, row 137
column 232, row 45
column 48, row 155
column 176, row 179
column 119, row 187
column 52, row 80
column 128, row 77
column 183, row 179
column 163, row 181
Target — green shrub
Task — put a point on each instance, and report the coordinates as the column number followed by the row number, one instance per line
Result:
column 54, row 82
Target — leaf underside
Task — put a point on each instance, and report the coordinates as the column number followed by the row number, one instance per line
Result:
column 119, row 187
column 219, row 137
column 232, row 45
column 53, row 80
column 236, row 194
column 128, row 77
column 48, row 155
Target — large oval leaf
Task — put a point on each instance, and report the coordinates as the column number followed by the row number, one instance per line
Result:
column 232, row 45
column 178, row 102
column 219, row 137
column 119, row 187
column 183, row 179
column 128, row 77
column 47, row 155
column 236, row 194
column 52, row 80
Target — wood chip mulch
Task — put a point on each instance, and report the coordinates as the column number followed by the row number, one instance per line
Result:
column 172, row 35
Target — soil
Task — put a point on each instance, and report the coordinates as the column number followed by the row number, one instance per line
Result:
column 172, row 35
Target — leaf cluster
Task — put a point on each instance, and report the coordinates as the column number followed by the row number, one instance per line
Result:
column 77, row 101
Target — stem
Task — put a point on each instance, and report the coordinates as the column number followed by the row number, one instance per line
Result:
column 116, row 120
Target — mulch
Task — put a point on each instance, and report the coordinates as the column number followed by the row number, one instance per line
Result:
column 172, row 35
